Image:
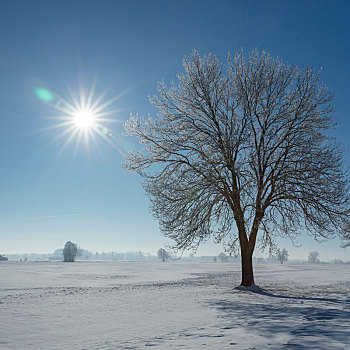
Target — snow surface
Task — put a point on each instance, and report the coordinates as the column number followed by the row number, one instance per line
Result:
column 174, row 305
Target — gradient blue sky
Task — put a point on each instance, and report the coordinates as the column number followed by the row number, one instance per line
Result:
column 49, row 195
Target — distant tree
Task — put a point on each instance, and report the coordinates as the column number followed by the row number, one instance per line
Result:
column 70, row 251
column 3, row 258
column 313, row 257
column 215, row 259
column 282, row 255
column 337, row 261
column 223, row 257
column 242, row 154
column 163, row 254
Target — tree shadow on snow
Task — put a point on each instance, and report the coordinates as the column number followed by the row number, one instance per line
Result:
column 331, row 300
column 303, row 322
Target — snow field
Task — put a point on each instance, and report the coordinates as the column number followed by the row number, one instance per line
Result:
column 174, row 305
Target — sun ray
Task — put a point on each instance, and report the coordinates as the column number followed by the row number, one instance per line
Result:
column 78, row 141
column 98, row 99
column 64, row 133
column 56, row 126
column 110, row 120
column 106, row 104
column 94, row 139
column 84, row 117
column 86, row 139
column 111, row 112
column 69, row 139
column 64, row 110
column 75, row 101
column 60, row 117
column 91, row 94
column 65, row 102
column 82, row 98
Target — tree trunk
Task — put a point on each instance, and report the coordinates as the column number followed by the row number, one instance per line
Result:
column 247, row 267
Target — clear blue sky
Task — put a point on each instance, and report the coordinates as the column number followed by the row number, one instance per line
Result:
column 49, row 195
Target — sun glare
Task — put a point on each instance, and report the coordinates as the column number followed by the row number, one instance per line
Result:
column 84, row 116
column 84, row 119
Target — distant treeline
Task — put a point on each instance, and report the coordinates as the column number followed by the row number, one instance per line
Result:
column 86, row 255
column 126, row 256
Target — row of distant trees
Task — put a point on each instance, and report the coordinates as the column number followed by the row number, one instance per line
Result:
column 71, row 251
column 163, row 255
column 282, row 256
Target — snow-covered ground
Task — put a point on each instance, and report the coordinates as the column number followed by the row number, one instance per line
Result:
column 174, row 305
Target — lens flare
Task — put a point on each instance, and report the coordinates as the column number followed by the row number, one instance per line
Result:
column 43, row 94
column 84, row 117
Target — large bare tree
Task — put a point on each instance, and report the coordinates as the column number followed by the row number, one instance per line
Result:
column 242, row 152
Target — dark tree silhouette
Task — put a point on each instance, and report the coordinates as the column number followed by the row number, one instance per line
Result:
column 282, row 255
column 70, row 251
column 163, row 254
column 313, row 257
column 242, row 154
column 223, row 257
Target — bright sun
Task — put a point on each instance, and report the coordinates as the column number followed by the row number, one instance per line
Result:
column 84, row 119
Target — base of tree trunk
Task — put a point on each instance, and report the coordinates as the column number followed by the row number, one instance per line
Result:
column 247, row 284
column 253, row 288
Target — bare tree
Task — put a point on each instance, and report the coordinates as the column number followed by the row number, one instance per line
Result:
column 337, row 261
column 70, row 251
column 223, row 257
column 239, row 151
column 163, row 254
column 313, row 257
column 282, row 255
